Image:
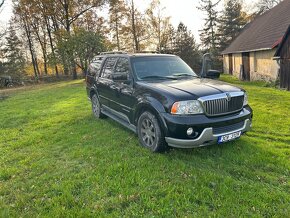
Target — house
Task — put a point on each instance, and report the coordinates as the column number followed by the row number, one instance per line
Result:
column 283, row 55
column 259, row 46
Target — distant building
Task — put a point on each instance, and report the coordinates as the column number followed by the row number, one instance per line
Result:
column 263, row 47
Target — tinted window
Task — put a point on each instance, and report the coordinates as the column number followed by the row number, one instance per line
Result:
column 167, row 66
column 122, row 70
column 95, row 66
column 109, row 67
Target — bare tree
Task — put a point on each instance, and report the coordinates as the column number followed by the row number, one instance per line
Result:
column 1, row 3
column 136, row 28
column 159, row 24
column 265, row 5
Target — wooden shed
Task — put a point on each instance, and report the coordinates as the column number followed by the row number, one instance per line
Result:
column 256, row 46
column 283, row 55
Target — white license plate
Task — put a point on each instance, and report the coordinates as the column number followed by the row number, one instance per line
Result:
column 229, row 137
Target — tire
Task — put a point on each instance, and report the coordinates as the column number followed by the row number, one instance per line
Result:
column 96, row 107
column 150, row 134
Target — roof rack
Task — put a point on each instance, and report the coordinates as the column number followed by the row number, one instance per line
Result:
column 148, row 52
column 113, row 52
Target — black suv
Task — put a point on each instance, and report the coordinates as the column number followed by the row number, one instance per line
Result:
column 160, row 98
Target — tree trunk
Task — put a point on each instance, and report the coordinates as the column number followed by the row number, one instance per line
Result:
column 63, row 60
column 51, row 45
column 42, row 46
column 117, row 34
column 135, row 38
column 31, row 50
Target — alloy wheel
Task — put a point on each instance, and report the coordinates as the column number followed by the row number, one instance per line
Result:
column 148, row 132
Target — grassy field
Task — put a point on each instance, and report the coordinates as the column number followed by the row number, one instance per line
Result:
column 56, row 160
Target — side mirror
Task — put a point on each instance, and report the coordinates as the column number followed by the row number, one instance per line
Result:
column 122, row 78
column 212, row 74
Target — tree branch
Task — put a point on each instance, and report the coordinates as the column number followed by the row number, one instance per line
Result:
column 1, row 3
column 80, row 13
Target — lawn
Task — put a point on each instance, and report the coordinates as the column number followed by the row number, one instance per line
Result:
column 56, row 161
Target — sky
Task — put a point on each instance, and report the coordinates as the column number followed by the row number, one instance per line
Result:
column 179, row 10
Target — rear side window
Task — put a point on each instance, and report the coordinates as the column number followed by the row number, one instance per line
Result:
column 95, row 67
column 109, row 68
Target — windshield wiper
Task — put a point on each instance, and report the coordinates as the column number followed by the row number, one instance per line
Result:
column 158, row 77
column 184, row 75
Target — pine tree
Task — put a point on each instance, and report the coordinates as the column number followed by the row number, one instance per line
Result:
column 208, row 34
column 231, row 23
column 186, row 47
column 13, row 55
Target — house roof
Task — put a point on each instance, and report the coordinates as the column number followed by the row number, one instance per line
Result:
column 264, row 32
column 287, row 34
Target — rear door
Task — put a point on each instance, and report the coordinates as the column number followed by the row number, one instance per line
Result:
column 93, row 71
column 105, row 82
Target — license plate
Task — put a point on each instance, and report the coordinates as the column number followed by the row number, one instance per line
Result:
column 229, row 137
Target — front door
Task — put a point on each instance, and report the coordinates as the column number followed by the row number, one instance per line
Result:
column 230, row 64
column 285, row 73
column 123, row 99
column 246, row 65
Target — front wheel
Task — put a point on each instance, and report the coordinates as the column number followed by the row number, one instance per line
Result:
column 150, row 134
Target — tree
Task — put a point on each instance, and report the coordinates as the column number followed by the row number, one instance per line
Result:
column 186, row 47
column 83, row 45
column 1, row 3
column 265, row 5
column 117, row 10
column 159, row 25
column 231, row 23
column 135, row 28
column 24, row 20
column 13, row 54
column 208, row 34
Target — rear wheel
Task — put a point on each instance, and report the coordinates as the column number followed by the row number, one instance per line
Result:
column 96, row 106
column 150, row 134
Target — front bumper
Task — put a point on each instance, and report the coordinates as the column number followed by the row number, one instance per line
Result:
column 207, row 137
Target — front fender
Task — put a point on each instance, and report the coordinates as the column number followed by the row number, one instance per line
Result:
column 151, row 104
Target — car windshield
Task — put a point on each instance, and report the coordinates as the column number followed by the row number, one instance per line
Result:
column 166, row 67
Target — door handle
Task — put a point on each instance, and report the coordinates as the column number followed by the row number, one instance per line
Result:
column 116, row 88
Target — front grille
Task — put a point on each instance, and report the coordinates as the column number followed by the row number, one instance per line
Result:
column 229, row 128
column 224, row 105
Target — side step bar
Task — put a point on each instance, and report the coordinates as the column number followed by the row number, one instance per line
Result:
column 110, row 113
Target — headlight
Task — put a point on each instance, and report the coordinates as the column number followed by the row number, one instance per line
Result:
column 245, row 99
column 187, row 107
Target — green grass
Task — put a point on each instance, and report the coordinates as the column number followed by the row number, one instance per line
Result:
column 56, row 160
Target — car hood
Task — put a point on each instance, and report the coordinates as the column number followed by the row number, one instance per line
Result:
column 195, row 87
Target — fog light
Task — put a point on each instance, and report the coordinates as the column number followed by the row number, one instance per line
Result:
column 189, row 131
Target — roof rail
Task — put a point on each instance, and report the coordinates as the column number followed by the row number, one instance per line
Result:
column 113, row 52
column 147, row 52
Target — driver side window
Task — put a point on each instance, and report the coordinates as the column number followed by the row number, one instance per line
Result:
column 122, row 70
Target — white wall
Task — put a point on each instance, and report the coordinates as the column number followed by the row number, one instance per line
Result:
column 262, row 65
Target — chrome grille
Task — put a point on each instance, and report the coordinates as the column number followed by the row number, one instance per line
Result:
column 223, row 103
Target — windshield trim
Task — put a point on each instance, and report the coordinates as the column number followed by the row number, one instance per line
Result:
column 169, row 77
